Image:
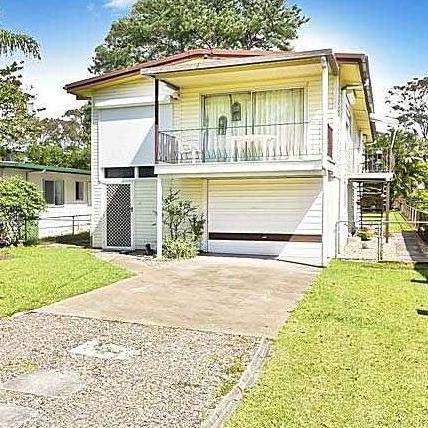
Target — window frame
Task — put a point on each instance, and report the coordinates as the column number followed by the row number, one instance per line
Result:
column 79, row 187
column 56, row 196
column 107, row 170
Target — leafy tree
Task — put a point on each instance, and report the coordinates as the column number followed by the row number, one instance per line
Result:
column 409, row 103
column 156, row 28
column 11, row 43
column 20, row 200
column 410, row 167
column 64, row 141
column 18, row 122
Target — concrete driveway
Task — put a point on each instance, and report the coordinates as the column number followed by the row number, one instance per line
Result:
column 245, row 296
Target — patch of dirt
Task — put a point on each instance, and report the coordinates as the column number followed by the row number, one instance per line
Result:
column 5, row 256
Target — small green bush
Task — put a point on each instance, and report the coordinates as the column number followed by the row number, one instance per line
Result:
column 19, row 201
column 184, row 226
column 180, row 248
column 366, row 234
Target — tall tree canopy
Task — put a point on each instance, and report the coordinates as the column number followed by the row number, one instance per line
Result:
column 24, row 136
column 409, row 103
column 156, row 28
column 18, row 122
column 64, row 141
column 11, row 43
column 409, row 152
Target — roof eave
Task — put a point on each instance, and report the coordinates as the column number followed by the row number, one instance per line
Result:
column 77, row 87
column 363, row 63
column 40, row 168
column 286, row 57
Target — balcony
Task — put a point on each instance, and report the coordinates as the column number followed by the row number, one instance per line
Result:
column 378, row 161
column 256, row 143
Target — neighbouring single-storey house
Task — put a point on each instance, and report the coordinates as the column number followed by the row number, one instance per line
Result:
column 269, row 145
column 67, row 192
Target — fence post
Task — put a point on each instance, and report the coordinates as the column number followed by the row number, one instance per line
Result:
column 72, row 225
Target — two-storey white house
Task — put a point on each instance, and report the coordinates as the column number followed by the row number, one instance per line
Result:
column 266, row 143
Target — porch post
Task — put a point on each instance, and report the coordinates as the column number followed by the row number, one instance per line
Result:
column 156, row 120
column 324, row 142
column 159, row 218
column 324, row 106
column 387, row 203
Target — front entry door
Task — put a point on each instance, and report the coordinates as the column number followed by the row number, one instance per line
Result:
column 119, row 216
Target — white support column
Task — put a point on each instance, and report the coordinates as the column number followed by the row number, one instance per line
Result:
column 159, row 218
column 324, row 106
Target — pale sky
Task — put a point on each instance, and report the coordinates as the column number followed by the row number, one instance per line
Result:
column 393, row 34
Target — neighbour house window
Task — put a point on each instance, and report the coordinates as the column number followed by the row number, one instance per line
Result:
column 125, row 172
column 54, row 192
column 79, row 191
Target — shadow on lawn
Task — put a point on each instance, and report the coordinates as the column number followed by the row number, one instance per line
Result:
column 78, row 240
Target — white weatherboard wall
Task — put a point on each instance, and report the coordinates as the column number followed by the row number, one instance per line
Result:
column 332, row 212
column 126, row 135
column 122, row 135
column 145, row 212
column 278, row 206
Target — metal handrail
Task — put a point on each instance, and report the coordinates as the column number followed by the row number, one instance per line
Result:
column 251, row 127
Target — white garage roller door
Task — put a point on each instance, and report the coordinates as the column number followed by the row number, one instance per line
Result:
column 276, row 217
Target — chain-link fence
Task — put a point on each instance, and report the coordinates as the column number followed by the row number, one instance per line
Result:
column 47, row 227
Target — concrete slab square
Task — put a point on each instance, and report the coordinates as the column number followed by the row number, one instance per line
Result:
column 107, row 351
column 13, row 416
column 46, row 383
column 234, row 295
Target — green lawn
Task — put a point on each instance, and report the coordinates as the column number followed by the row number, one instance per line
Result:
column 354, row 354
column 31, row 277
column 399, row 227
column 403, row 226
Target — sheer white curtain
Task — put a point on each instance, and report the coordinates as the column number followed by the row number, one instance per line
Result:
column 280, row 113
column 220, row 125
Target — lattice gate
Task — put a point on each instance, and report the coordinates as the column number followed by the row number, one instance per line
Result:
column 119, row 216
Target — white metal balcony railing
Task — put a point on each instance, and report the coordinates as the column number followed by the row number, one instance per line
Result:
column 235, row 144
column 380, row 160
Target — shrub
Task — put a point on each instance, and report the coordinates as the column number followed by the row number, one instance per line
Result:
column 366, row 234
column 20, row 201
column 180, row 248
column 184, row 225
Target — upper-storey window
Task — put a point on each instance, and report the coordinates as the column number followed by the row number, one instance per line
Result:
column 276, row 119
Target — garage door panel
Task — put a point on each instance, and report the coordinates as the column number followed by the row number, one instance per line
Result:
column 290, row 208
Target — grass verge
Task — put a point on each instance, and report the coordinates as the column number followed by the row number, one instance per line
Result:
column 31, row 277
column 354, row 354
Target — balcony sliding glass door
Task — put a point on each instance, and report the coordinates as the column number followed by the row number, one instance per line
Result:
column 225, row 117
column 265, row 125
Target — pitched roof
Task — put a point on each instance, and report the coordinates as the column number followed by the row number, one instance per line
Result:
column 172, row 59
column 47, row 168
